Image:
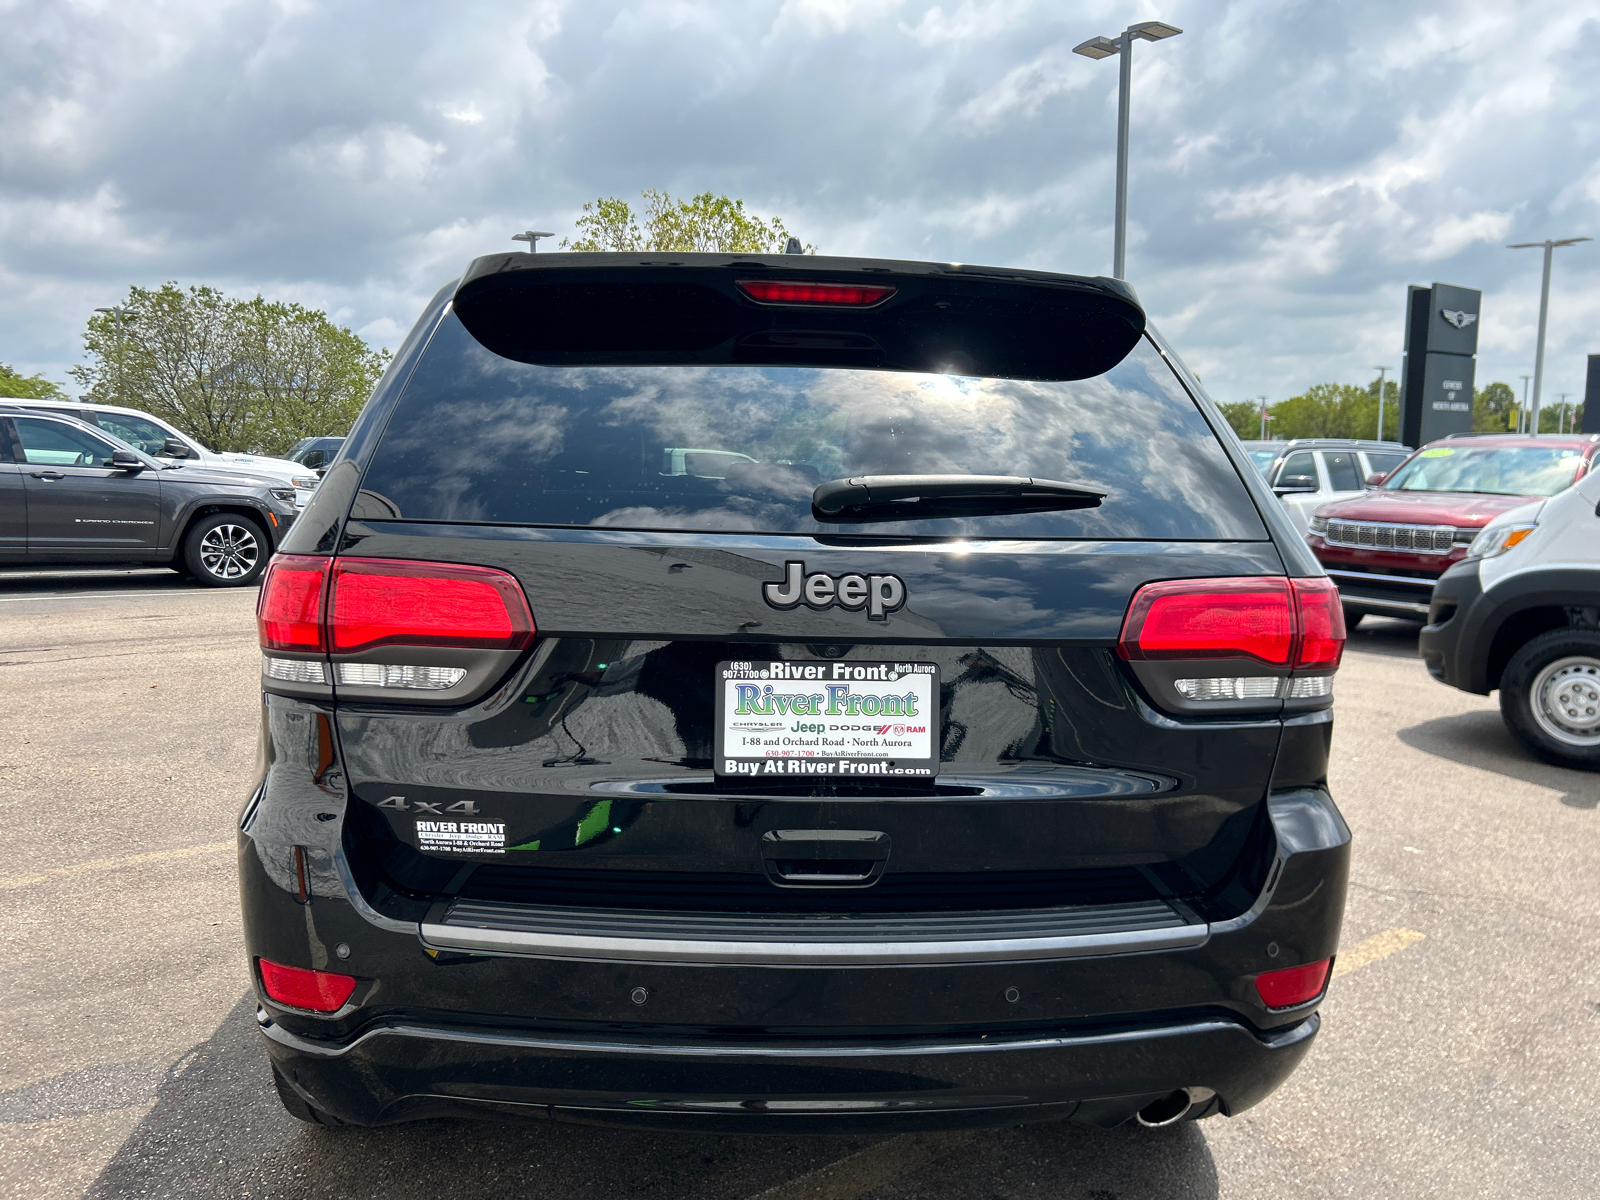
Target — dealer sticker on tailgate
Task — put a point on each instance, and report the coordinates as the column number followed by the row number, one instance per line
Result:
column 845, row 719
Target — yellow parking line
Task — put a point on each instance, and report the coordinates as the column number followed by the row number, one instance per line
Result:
column 112, row 864
column 859, row 1173
column 1369, row 951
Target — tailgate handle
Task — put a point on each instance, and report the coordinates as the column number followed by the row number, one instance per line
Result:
column 824, row 857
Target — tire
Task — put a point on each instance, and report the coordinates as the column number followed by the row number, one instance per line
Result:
column 1550, row 697
column 299, row 1108
column 226, row 550
column 1352, row 617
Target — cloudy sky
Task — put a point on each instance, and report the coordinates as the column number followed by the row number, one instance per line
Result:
column 1295, row 164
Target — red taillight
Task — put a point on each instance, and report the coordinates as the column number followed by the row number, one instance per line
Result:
column 289, row 610
column 1284, row 622
column 1321, row 623
column 317, row 991
column 1210, row 618
column 794, row 291
column 377, row 602
column 1293, row 985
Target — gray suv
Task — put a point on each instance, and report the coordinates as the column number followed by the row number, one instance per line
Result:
column 73, row 494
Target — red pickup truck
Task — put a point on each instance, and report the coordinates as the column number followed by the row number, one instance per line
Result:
column 1387, row 546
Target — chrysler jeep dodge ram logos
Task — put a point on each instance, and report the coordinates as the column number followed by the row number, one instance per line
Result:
column 880, row 595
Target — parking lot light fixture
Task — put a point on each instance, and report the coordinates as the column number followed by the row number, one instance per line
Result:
column 1104, row 47
column 1549, row 245
column 531, row 236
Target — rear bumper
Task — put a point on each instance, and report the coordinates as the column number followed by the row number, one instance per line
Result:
column 406, row 1071
column 605, row 1032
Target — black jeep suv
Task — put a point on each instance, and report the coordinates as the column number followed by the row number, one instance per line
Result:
column 723, row 692
column 73, row 494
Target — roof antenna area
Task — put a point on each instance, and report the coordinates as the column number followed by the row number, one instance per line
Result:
column 793, row 246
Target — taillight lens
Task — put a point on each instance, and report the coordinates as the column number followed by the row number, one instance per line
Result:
column 794, row 291
column 1293, row 985
column 316, row 991
column 379, row 602
column 1210, row 618
column 1322, row 631
column 289, row 609
column 1283, row 622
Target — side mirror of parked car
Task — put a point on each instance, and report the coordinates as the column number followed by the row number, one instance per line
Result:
column 126, row 460
column 1376, row 478
column 1294, row 485
column 173, row 448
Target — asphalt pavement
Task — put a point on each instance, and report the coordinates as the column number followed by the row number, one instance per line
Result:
column 1458, row 1056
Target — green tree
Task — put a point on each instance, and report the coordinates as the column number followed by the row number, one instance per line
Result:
column 705, row 223
column 253, row 375
column 28, row 387
column 1494, row 409
column 1338, row 410
column 1245, row 417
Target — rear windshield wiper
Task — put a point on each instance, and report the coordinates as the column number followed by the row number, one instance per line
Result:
column 919, row 497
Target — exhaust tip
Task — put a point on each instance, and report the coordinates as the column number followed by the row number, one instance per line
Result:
column 1168, row 1110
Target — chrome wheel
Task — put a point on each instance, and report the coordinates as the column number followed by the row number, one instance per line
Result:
column 229, row 551
column 1565, row 699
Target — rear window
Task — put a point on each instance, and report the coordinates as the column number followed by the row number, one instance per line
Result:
column 1495, row 470
column 730, row 448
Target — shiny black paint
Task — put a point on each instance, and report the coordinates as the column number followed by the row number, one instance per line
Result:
column 1053, row 759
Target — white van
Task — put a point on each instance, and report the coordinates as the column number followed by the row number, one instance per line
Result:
column 169, row 444
column 1521, row 613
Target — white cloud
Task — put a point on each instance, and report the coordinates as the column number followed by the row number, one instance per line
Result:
column 1294, row 166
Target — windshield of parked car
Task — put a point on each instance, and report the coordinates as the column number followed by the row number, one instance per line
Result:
column 724, row 448
column 1263, row 459
column 1496, row 470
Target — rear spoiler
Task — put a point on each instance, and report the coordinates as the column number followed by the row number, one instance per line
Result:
column 621, row 309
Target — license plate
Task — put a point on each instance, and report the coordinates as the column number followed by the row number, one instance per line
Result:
column 834, row 719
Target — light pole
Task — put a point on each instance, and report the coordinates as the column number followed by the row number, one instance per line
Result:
column 1561, row 425
column 1382, row 371
column 118, row 312
column 1522, row 413
column 531, row 236
column 1265, row 417
column 1104, row 47
column 1549, row 245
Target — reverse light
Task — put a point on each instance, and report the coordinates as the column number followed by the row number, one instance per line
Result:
column 795, row 291
column 1293, row 985
column 297, row 987
column 394, row 675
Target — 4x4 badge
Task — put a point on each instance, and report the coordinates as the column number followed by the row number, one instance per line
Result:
column 880, row 595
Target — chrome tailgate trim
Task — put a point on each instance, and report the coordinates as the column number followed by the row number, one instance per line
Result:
column 810, row 941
